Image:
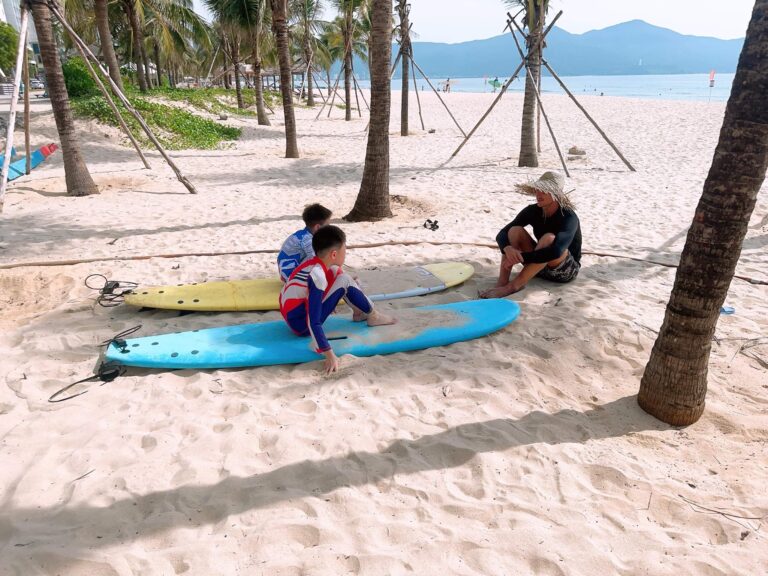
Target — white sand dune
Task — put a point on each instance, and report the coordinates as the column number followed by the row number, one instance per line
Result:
column 520, row 453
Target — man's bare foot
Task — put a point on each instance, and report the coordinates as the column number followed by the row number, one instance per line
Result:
column 379, row 319
column 500, row 291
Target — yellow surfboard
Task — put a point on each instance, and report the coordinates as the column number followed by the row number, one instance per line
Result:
column 262, row 294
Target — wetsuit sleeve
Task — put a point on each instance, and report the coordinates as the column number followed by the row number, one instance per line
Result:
column 306, row 247
column 315, row 317
column 563, row 239
column 524, row 218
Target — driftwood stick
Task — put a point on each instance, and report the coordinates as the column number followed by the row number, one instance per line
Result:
column 54, row 9
column 50, row 263
column 439, row 97
column 14, row 102
column 112, row 105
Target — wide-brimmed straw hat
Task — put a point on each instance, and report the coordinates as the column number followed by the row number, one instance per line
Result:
column 552, row 183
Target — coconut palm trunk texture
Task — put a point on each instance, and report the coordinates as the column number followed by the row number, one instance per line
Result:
column 77, row 177
column 674, row 385
column 373, row 199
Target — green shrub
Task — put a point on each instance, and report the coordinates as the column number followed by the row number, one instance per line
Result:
column 78, row 78
column 175, row 129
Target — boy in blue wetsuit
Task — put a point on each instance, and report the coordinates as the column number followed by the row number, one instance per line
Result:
column 297, row 248
column 314, row 289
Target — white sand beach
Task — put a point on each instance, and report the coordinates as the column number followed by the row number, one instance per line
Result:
column 523, row 452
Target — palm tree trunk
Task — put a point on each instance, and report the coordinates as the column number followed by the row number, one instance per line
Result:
column 261, row 111
column 310, row 86
column 76, row 174
column 405, row 51
column 157, row 64
column 236, row 66
column 674, row 384
column 227, row 84
column 133, row 20
column 373, row 199
column 280, row 29
column 528, row 155
column 105, row 37
column 328, row 80
column 347, row 74
column 145, row 59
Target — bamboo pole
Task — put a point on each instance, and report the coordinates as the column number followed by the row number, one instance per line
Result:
column 14, row 101
column 538, row 100
column 487, row 112
column 578, row 104
column 333, row 98
column 416, row 88
column 112, row 105
column 27, row 115
column 55, row 11
column 439, row 97
column 362, row 95
column 354, row 85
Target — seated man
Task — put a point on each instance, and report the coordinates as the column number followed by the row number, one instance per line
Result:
column 555, row 255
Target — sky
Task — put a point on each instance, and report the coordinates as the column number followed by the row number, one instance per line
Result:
column 455, row 21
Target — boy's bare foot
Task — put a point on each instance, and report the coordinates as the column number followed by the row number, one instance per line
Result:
column 379, row 319
column 358, row 315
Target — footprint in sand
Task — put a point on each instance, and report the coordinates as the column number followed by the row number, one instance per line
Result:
column 148, row 443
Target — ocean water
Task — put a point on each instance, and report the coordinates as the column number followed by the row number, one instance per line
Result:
column 666, row 87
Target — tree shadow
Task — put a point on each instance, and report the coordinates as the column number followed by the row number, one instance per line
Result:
column 83, row 527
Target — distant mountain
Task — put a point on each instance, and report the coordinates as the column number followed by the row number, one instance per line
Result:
column 630, row 48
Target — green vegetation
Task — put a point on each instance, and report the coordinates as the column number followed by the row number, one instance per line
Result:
column 176, row 129
column 213, row 100
column 78, row 78
column 9, row 42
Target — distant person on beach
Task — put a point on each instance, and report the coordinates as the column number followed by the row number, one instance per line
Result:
column 297, row 248
column 315, row 288
column 447, row 85
column 555, row 254
column 495, row 83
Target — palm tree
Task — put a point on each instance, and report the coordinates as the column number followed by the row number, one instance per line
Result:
column 76, row 174
column 137, row 41
column 674, row 385
column 346, row 24
column 105, row 38
column 280, row 30
column 534, row 15
column 373, row 199
column 306, row 27
column 250, row 16
column 403, row 9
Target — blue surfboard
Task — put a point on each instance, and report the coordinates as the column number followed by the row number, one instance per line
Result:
column 271, row 343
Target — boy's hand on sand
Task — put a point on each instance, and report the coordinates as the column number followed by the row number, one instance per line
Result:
column 331, row 363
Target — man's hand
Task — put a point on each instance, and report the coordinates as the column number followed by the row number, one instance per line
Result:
column 513, row 256
column 331, row 363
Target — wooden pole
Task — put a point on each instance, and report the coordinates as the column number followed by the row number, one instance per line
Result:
column 116, row 89
column 112, row 105
column 362, row 95
column 439, row 97
column 416, row 88
column 27, row 115
column 14, row 101
column 333, row 98
column 538, row 100
column 487, row 112
column 578, row 104
column 357, row 100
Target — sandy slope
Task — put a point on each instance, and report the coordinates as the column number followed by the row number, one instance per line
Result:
column 521, row 453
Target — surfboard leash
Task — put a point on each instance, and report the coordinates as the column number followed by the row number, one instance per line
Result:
column 105, row 372
column 112, row 292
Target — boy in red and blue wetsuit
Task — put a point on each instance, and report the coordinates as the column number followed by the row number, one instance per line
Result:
column 314, row 289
